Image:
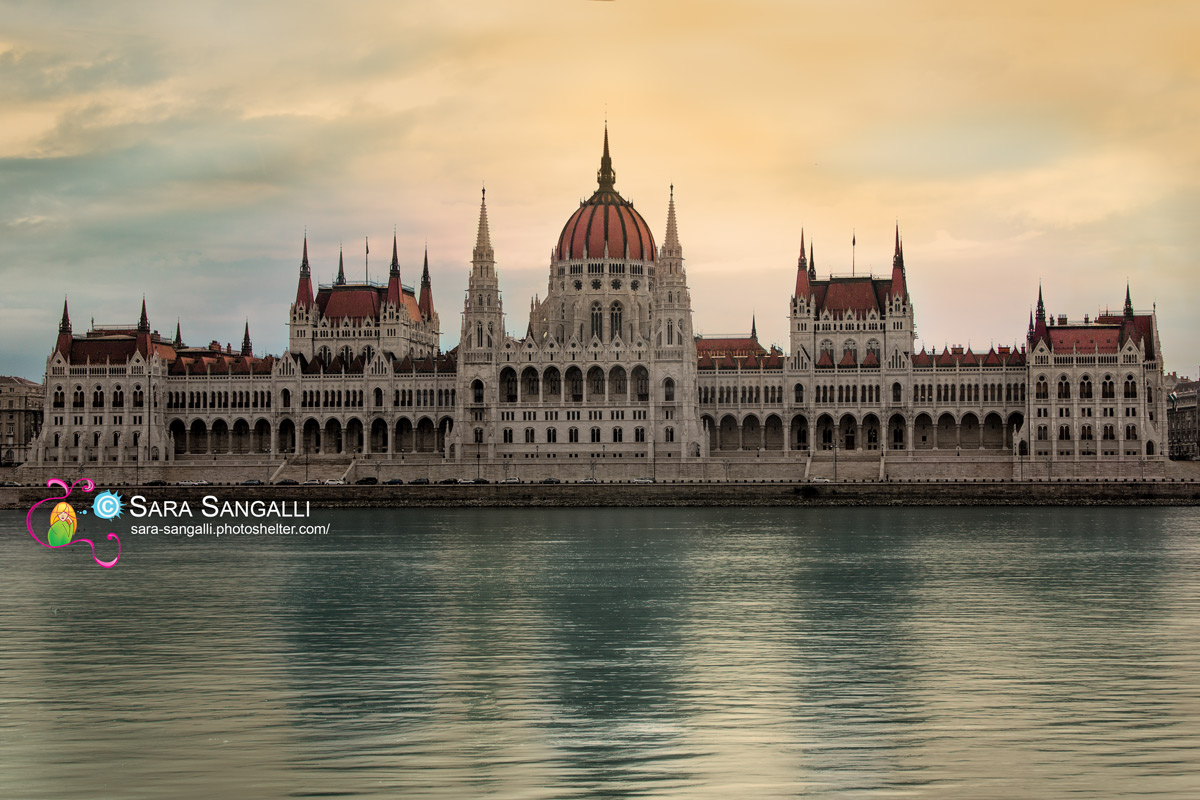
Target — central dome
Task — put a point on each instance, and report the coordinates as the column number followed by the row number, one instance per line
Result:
column 606, row 221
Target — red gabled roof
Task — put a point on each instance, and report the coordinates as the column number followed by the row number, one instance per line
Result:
column 826, row 359
column 969, row 359
column 1087, row 339
column 946, row 359
column 871, row 360
column 774, row 361
column 730, row 344
column 992, row 359
column 850, row 294
column 922, row 359
column 355, row 302
column 704, row 362
column 847, row 359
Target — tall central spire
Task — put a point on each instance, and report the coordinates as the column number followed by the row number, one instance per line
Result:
column 671, row 244
column 606, row 177
column 483, row 239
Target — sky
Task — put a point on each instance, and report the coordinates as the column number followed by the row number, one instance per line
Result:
column 180, row 151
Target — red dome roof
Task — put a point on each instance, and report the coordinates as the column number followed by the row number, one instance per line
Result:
column 606, row 219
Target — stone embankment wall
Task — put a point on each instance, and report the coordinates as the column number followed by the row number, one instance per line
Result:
column 935, row 493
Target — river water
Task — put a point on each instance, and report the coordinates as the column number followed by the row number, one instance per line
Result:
column 668, row 653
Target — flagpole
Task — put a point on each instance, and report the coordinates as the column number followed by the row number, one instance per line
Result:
column 367, row 260
column 853, row 242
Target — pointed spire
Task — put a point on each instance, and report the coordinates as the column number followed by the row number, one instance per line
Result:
column 606, row 177
column 1041, row 307
column 671, row 242
column 1128, row 303
column 425, row 303
column 395, row 291
column 341, row 276
column 803, row 289
column 1031, row 320
column 247, row 350
column 304, row 292
column 753, row 327
column 899, row 283
column 63, row 345
column 483, row 239
column 143, row 321
column 178, row 335
column 812, row 262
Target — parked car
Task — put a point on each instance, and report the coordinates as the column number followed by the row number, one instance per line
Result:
column 366, row 481
column 194, row 483
column 252, row 482
column 155, row 482
column 448, row 480
column 643, row 480
column 466, row 480
column 419, row 481
column 312, row 482
column 550, row 480
column 9, row 483
column 511, row 479
column 589, row 480
column 818, row 480
column 394, row 482
column 287, row 482
column 481, row 480
column 335, row 482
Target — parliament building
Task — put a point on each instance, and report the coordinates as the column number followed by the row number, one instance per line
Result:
column 609, row 381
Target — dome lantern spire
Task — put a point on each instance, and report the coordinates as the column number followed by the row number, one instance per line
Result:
column 606, row 177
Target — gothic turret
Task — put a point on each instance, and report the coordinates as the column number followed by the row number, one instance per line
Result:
column 803, row 287
column 64, row 332
column 341, row 276
column 143, row 331
column 304, row 289
column 395, row 292
column 899, row 284
column 425, row 303
column 247, row 350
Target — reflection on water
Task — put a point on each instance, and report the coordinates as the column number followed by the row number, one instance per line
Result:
column 614, row 653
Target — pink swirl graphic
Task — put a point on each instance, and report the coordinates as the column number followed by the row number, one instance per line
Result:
column 85, row 485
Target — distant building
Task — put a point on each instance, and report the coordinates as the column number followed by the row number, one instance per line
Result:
column 609, row 374
column 1183, row 427
column 21, row 404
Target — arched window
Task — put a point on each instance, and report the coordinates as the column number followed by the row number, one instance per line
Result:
column 799, row 392
column 1130, row 388
column 615, row 313
column 669, row 390
column 670, row 331
column 597, row 321
column 897, row 392
column 1108, row 389
column 1064, row 388
column 1042, row 390
column 378, row 397
column 1085, row 388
